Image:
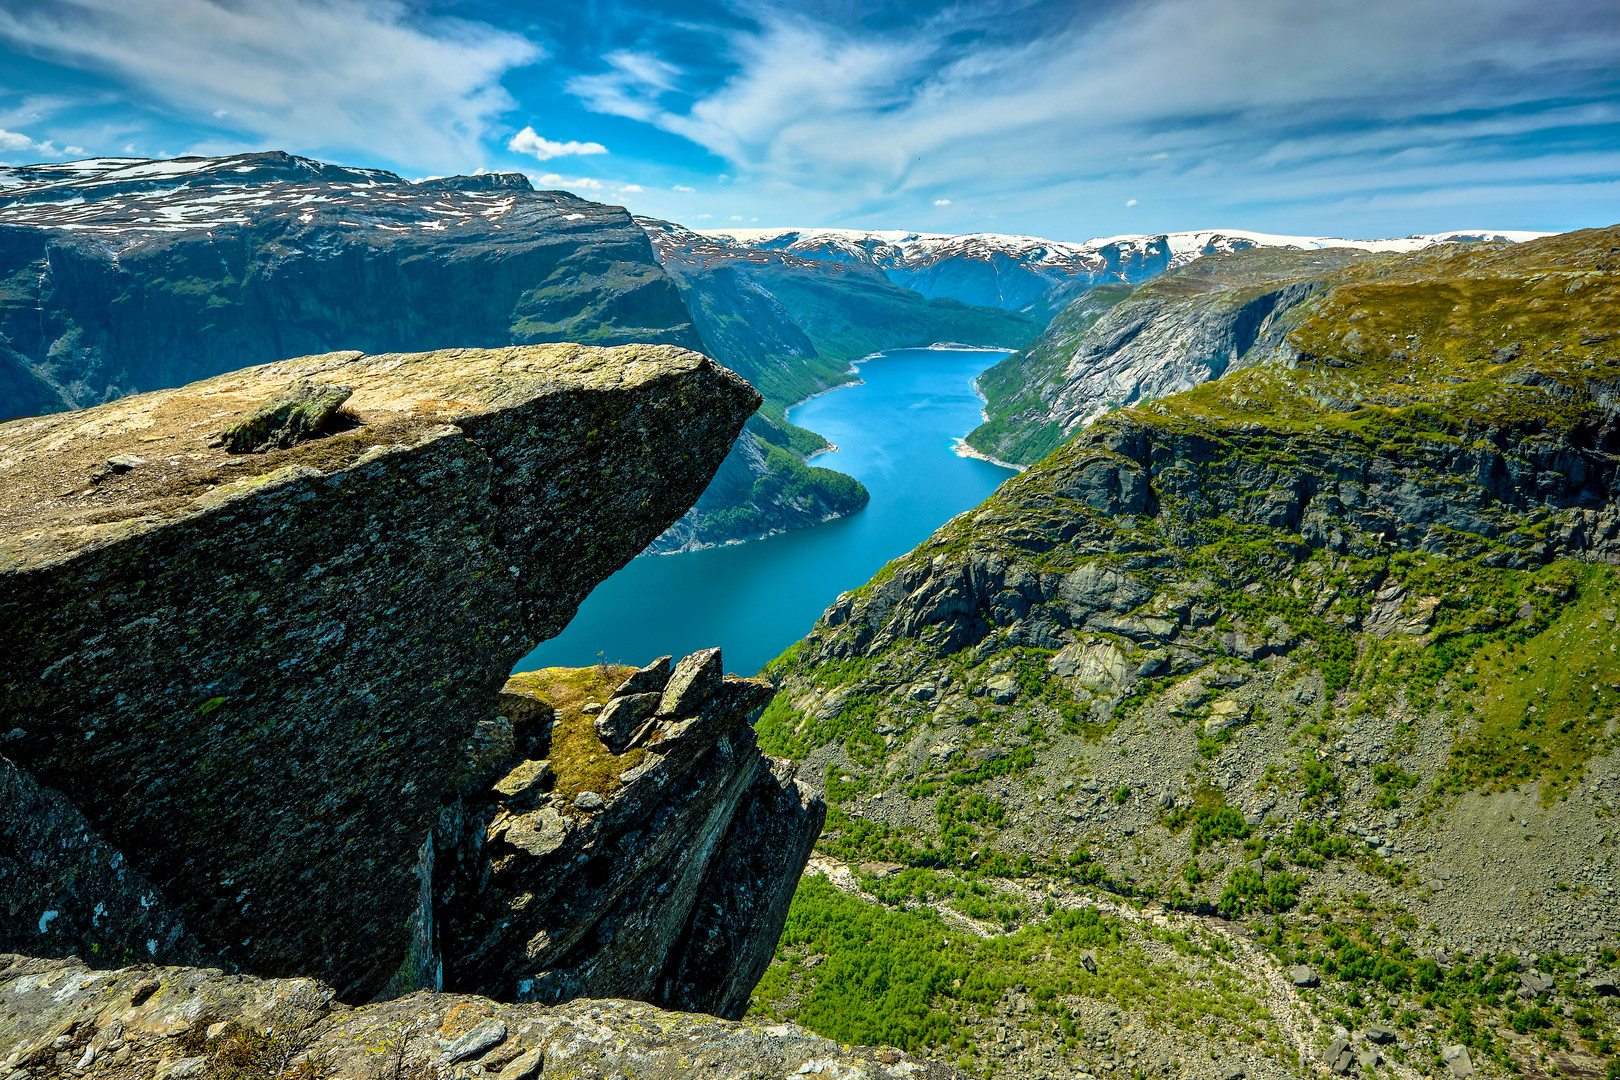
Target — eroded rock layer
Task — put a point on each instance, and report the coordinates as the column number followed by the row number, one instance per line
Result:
column 632, row 842
column 256, row 675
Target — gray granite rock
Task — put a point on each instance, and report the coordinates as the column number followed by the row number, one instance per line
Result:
column 54, row 1007
column 258, row 682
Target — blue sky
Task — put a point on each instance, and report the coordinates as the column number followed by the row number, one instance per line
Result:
column 1070, row 120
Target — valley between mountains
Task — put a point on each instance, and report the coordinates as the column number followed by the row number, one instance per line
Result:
column 1262, row 726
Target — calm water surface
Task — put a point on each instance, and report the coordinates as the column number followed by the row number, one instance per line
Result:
column 895, row 433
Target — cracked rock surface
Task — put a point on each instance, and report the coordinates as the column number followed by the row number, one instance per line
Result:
column 256, row 675
column 59, row 1018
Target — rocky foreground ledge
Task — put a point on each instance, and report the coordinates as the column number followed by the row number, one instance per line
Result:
column 62, row 1019
column 253, row 630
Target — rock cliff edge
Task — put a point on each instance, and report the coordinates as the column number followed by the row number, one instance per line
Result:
column 253, row 632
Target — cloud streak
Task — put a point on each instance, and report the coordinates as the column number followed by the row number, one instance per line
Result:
column 336, row 76
column 1166, row 97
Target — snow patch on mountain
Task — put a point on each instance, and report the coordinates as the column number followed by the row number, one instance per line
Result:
column 1014, row 271
column 135, row 197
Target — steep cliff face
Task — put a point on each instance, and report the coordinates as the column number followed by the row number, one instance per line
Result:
column 59, row 1019
column 1111, row 349
column 633, row 843
column 124, row 275
column 1325, row 644
column 257, row 675
column 1018, row 391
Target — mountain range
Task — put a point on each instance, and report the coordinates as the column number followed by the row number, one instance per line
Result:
column 1264, row 726
column 1016, row 272
column 123, row 274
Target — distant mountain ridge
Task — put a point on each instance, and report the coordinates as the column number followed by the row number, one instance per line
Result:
column 793, row 326
column 1114, row 345
column 119, row 275
column 1014, row 272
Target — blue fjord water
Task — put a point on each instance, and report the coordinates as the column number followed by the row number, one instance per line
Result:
column 894, row 432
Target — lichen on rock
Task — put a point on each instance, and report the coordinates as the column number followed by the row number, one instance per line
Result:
column 658, row 866
column 258, row 676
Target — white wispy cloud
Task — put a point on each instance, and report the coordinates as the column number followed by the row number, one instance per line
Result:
column 310, row 75
column 567, row 183
column 1214, row 102
column 942, row 202
column 16, row 140
column 528, row 141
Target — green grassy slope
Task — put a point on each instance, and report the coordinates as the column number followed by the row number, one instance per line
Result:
column 1326, row 647
column 1013, row 389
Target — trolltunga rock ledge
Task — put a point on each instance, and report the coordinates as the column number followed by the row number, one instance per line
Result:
column 243, row 647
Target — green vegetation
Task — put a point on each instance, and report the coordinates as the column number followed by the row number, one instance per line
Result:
column 1211, row 820
column 1433, row 348
column 780, row 727
column 744, row 502
column 899, row 975
column 1312, row 846
column 1248, row 890
column 1013, row 389
column 786, row 732
column 579, row 760
column 1369, row 964
column 1544, row 692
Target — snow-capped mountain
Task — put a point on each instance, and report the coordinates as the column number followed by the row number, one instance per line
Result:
column 1015, row 271
column 129, row 274
column 137, row 196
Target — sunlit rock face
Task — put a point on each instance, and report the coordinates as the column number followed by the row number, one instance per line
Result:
column 125, row 275
column 257, row 676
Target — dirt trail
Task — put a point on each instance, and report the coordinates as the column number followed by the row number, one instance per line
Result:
column 1289, row 1010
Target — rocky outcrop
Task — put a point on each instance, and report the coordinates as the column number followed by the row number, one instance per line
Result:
column 71, row 891
column 636, row 843
column 125, row 275
column 58, row 1018
column 258, row 676
column 1518, row 496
